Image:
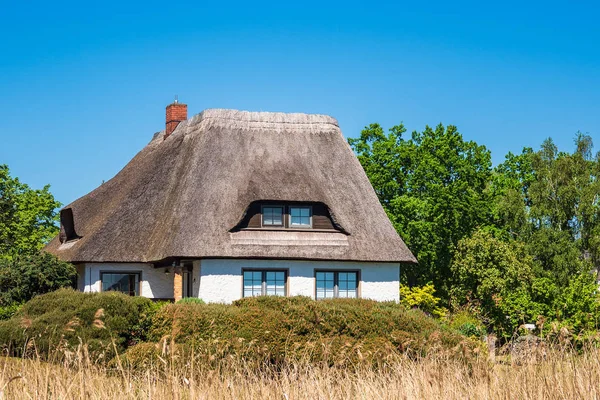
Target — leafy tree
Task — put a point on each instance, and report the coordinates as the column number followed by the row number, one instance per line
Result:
column 23, row 277
column 433, row 187
column 496, row 274
column 509, row 190
column 27, row 217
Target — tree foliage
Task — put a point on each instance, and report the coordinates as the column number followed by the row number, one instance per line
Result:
column 27, row 222
column 27, row 216
column 23, row 277
column 433, row 187
column 423, row 298
column 520, row 242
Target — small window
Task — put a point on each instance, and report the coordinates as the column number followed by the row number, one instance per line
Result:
column 300, row 217
column 336, row 284
column 264, row 283
column 124, row 282
column 272, row 216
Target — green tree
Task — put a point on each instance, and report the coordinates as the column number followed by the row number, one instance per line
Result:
column 27, row 217
column 509, row 191
column 433, row 187
column 23, row 277
column 498, row 276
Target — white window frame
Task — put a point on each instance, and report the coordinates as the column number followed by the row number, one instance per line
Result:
column 304, row 226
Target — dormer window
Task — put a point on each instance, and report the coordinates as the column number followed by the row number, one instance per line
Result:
column 278, row 215
column 272, row 216
column 300, row 217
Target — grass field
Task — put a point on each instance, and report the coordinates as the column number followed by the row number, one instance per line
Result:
column 559, row 376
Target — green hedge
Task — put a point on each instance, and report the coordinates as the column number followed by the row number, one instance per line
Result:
column 63, row 319
column 277, row 330
column 6, row 312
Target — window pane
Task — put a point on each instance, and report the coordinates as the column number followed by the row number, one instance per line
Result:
column 300, row 216
column 252, row 283
column 272, row 215
column 125, row 283
column 275, row 282
column 325, row 285
column 347, row 285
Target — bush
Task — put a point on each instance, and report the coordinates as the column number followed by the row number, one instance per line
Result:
column 6, row 312
column 422, row 297
column 22, row 278
column 277, row 330
column 64, row 319
column 465, row 322
column 191, row 300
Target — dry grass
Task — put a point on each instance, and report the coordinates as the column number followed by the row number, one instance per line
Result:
column 559, row 376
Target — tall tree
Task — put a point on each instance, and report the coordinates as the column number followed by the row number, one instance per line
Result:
column 433, row 187
column 27, row 217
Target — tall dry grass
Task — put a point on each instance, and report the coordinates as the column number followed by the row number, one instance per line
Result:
column 560, row 375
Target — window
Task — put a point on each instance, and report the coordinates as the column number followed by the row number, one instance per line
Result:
column 125, row 282
column 300, row 217
column 264, row 283
column 334, row 284
column 272, row 216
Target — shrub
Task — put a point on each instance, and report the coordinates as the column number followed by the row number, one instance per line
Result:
column 422, row 297
column 191, row 300
column 64, row 319
column 22, row 278
column 277, row 330
column 6, row 312
column 465, row 322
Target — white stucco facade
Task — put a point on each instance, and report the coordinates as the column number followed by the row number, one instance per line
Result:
column 221, row 280
column 154, row 283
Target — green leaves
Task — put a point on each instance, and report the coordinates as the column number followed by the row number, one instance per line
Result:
column 518, row 242
column 27, row 217
column 422, row 297
column 432, row 187
column 24, row 277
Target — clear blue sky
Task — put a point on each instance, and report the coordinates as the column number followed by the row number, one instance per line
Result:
column 84, row 84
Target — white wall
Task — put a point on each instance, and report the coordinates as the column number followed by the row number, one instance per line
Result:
column 154, row 282
column 221, row 279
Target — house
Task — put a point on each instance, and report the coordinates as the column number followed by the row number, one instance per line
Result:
column 230, row 204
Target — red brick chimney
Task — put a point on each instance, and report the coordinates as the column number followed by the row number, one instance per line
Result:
column 176, row 112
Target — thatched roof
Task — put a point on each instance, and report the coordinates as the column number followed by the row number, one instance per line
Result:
column 181, row 197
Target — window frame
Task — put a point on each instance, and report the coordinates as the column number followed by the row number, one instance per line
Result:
column 310, row 217
column 336, row 273
column 262, row 215
column 263, row 272
column 117, row 272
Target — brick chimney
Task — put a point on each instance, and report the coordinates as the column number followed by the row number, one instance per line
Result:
column 176, row 112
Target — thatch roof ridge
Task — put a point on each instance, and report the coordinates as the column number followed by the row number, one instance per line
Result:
column 266, row 117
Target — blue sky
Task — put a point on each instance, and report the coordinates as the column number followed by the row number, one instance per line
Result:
column 83, row 86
